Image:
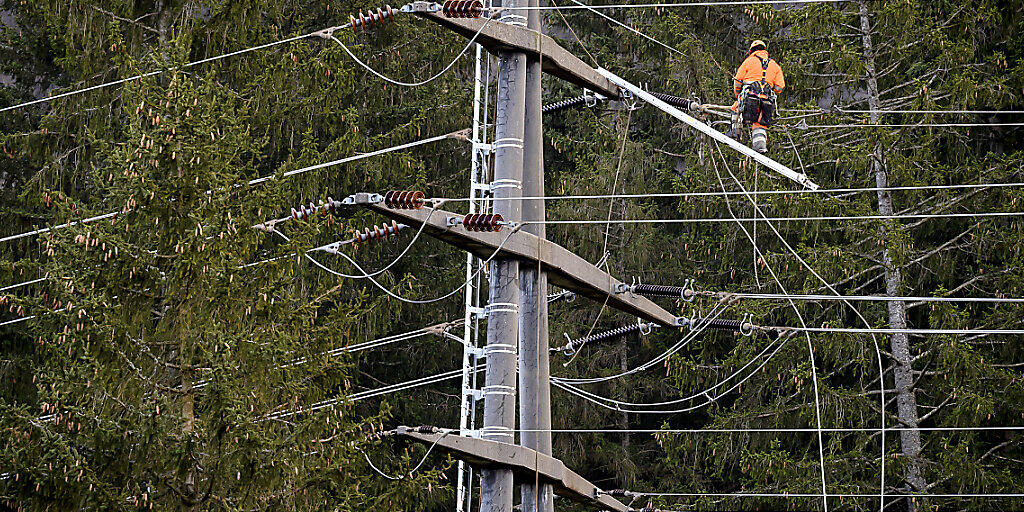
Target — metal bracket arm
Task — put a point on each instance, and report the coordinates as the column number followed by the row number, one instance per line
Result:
column 485, row 453
column 565, row 268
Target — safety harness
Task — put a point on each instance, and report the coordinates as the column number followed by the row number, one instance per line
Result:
column 757, row 99
column 763, row 89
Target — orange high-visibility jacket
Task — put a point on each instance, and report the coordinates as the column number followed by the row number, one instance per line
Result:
column 752, row 71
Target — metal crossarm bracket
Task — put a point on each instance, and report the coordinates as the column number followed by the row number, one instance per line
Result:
column 565, row 268
column 497, row 37
column 484, row 453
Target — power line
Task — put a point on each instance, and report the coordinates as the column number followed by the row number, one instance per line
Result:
column 152, row 73
column 895, row 111
column 752, row 193
column 17, row 320
column 787, row 219
column 581, row 5
column 359, row 347
column 834, row 495
column 868, row 298
column 59, row 226
column 23, row 283
column 768, row 430
column 256, row 181
column 862, row 330
column 393, row 388
column 712, row 315
column 917, row 125
column 678, row 4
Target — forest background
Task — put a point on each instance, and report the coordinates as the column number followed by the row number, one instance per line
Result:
column 147, row 365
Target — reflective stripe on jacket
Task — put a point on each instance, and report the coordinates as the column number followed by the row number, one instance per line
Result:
column 752, row 71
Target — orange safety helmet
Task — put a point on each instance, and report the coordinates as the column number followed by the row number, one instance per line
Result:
column 756, row 43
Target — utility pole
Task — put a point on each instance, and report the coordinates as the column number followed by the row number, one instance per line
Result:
column 534, row 370
column 499, row 389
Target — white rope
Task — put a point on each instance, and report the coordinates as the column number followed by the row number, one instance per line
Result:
column 800, row 318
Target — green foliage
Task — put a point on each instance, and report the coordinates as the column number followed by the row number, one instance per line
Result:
column 153, row 373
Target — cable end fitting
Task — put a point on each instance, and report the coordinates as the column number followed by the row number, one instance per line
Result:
column 326, row 33
column 362, row 199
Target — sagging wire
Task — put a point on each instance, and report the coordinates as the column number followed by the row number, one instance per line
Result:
column 414, row 469
column 364, row 274
column 679, row 345
column 642, row 407
column 607, row 230
column 613, row 405
column 153, row 73
column 329, row 34
column 327, row 248
column 582, row 5
column 810, row 346
column 459, row 135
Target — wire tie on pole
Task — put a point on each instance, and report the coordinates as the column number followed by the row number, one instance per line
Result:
column 507, row 142
column 496, row 431
column 499, row 348
column 501, row 307
column 505, row 183
column 509, row 18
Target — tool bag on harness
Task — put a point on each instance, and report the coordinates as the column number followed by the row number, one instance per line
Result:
column 758, row 99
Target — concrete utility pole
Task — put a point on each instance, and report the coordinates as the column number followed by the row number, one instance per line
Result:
column 503, row 299
column 534, row 370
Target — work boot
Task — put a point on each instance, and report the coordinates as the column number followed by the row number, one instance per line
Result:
column 759, row 140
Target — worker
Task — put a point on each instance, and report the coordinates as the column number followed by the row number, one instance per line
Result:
column 756, row 85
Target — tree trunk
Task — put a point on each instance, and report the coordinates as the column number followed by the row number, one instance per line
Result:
column 906, row 402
